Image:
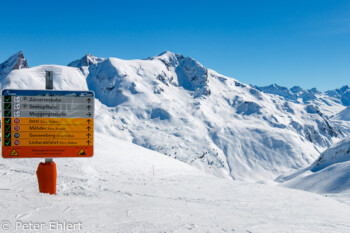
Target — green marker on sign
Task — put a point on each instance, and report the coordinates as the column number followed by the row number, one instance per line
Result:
column 8, row 99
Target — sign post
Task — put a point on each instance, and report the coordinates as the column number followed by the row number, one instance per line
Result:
column 47, row 172
column 47, row 124
column 49, row 86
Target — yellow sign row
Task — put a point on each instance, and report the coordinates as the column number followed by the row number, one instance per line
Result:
column 50, row 121
column 49, row 142
column 48, row 135
column 51, row 128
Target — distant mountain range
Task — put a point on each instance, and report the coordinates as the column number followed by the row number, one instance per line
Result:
column 296, row 93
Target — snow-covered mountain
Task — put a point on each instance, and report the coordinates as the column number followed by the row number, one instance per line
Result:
column 330, row 173
column 176, row 106
column 15, row 62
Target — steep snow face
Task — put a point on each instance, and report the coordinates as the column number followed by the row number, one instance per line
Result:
column 330, row 173
column 15, row 62
column 189, row 74
column 329, row 102
column 174, row 105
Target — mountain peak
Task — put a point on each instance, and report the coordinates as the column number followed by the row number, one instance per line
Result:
column 314, row 90
column 15, row 62
column 170, row 59
column 166, row 53
column 21, row 61
column 297, row 89
column 86, row 60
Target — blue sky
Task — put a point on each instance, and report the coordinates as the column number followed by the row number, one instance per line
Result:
column 305, row 43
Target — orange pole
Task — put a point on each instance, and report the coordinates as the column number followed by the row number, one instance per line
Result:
column 47, row 177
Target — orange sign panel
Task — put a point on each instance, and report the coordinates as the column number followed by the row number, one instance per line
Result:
column 47, row 124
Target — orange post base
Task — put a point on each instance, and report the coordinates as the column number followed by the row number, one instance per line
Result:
column 47, row 177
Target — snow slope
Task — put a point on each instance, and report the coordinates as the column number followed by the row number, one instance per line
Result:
column 342, row 120
column 330, row 173
column 343, row 115
column 116, row 191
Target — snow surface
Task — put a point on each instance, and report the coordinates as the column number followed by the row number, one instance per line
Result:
column 116, row 191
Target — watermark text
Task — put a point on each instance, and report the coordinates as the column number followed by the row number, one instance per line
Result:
column 31, row 226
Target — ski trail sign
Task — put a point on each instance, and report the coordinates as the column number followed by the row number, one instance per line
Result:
column 47, row 123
